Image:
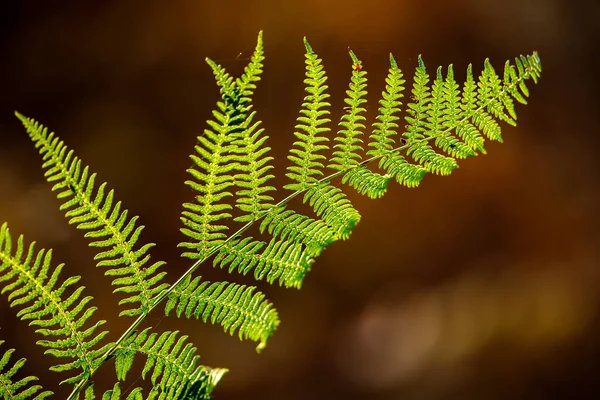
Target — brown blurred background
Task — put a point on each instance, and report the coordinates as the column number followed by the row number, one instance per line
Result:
column 481, row 285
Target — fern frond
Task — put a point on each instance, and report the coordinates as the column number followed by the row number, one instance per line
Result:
column 482, row 120
column 42, row 301
column 331, row 204
column 280, row 259
column 349, row 143
column 490, row 98
column 215, row 159
column 349, row 147
column 284, row 224
column 305, row 153
column 424, row 115
column 384, row 132
column 233, row 306
column 172, row 362
column 252, row 72
column 498, row 101
column 20, row 389
column 367, row 182
column 455, row 123
column 91, row 209
column 456, row 111
column 235, row 144
column 382, row 138
column 256, row 320
column 253, row 160
column 406, row 174
column 232, row 160
column 254, row 165
column 445, row 112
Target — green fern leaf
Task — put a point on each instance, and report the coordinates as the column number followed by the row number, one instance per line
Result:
column 41, row 301
column 103, row 220
column 252, row 72
column 253, row 161
column 457, row 113
column 233, row 306
column 499, row 103
column 304, row 155
column 254, row 164
column 424, row 115
column 235, row 143
column 481, row 117
column 280, row 259
column 348, row 155
column 382, row 138
column 514, row 77
column 366, row 182
column 17, row 389
column 284, row 224
column 215, row 160
column 349, row 143
column 172, row 362
column 445, row 112
column 231, row 160
column 455, row 123
column 520, row 91
column 331, row 204
column 406, row 174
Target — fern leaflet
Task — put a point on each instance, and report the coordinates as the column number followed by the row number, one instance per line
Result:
column 423, row 121
column 253, row 160
column 42, row 302
column 214, row 161
column 91, row 209
column 305, row 153
column 284, row 224
column 382, row 138
column 173, row 363
column 280, row 259
column 349, row 145
column 235, row 307
column 331, row 204
column 21, row 389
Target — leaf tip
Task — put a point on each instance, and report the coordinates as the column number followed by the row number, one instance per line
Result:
column 308, row 47
column 355, row 59
column 393, row 62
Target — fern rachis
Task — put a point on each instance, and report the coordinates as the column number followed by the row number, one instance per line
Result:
column 444, row 122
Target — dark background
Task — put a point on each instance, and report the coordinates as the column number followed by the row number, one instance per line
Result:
column 481, row 285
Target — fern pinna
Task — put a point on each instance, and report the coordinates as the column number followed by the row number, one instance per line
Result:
column 18, row 389
column 443, row 122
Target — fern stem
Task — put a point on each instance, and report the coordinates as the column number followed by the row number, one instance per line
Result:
column 153, row 303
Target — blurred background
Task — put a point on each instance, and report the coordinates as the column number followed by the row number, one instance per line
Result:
column 481, row 285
